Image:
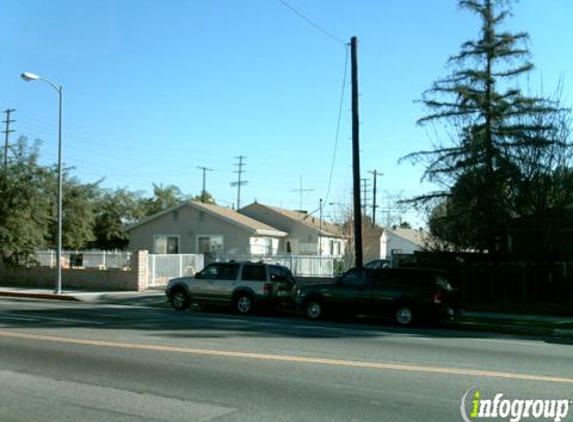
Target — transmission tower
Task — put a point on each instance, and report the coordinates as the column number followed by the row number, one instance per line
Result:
column 7, row 131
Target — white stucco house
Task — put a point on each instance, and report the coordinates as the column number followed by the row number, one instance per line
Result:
column 306, row 234
column 383, row 243
column 196, row 228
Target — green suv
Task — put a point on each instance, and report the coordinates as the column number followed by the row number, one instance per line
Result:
column 408, row 295
column 243, row 285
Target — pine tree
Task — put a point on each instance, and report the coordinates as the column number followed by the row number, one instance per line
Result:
column 485, row 116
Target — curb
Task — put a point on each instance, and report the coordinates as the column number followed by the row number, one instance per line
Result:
column 484, row 327
column 52, row 296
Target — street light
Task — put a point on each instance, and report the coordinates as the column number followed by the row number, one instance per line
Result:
column 27, row 76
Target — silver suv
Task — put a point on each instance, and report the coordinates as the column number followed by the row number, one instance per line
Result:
column 240, row 284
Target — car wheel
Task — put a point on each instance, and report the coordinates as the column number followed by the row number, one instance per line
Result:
column 314, row 309
column 244, row 303
column 179, row 300
column 404, row 315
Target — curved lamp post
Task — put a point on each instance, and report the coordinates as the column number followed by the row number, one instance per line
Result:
column 33, row 77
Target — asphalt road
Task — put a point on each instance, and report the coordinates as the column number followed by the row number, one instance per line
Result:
column 81, row 362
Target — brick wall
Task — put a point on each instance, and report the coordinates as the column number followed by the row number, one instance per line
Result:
column 80, row 279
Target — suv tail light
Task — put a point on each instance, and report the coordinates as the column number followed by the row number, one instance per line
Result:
column 267, row 288
column 438, row 298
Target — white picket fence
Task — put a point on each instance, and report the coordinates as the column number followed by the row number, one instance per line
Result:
column 104, row 260
column 300, row 265
column 163, row 268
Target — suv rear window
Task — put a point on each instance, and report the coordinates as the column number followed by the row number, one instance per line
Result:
column 228, row 272
column 280, row 274
column 254, row 273
column 354, row 277
column 221, row 272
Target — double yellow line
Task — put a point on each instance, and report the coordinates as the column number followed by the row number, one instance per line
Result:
column 290, row 359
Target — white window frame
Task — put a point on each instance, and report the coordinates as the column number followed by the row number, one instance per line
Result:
column 166, row 236
column 199, row 236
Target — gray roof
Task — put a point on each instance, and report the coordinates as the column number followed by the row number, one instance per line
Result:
column 323, row 227
column 223, row 213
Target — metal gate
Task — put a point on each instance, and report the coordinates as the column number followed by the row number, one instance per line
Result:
column 163, row 268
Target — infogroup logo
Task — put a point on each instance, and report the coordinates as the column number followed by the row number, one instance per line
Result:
column 475, row 407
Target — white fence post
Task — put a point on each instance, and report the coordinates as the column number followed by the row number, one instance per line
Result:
column 152, row 270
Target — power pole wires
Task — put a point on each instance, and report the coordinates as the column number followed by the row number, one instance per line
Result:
column 311, row 23
column 7, row 131
column 239, row 182
column 300, row 191
column 365, row 186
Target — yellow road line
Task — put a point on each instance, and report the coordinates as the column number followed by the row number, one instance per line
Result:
column 287, row 358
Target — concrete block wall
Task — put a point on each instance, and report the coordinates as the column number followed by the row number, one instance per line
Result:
column 303, row 281
column 80, row 279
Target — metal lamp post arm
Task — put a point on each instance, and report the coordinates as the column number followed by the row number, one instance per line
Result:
column 58, row 88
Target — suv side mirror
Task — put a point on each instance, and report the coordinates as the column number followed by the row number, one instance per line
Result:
column 338, row 280
column 199, row 275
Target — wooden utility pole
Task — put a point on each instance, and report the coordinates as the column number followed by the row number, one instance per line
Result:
column 356, row 154
column 204, row 192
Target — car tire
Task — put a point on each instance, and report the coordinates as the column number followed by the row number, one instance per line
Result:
column 179, row 299
column 404, row 315
column 243, row 303
column 314, row 309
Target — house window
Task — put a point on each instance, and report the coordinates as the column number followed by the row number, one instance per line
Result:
column 268, row 245
column 337, row 249
column 165, row 244
column 261, row 245
column 209, row 244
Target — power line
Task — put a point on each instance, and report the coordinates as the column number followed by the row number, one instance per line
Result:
column 343, row 89
column 239, row 182
column 311, row 23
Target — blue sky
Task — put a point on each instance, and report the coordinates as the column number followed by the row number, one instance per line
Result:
column 154, row 89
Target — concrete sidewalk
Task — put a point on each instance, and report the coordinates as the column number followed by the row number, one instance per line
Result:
column 148, row 298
